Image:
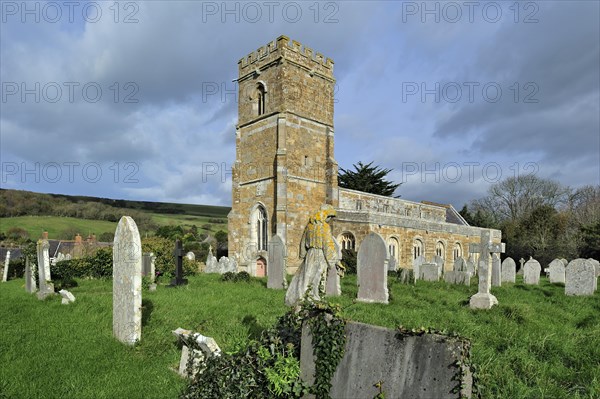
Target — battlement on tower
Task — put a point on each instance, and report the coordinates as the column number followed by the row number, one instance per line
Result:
column 292, row 51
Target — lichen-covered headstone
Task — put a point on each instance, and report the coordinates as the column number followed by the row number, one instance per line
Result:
column 333, row 287
column 371, row 265
column 276, row 263
column 531, row 272
column 509, row 270
column 30, row 285
column 580, row 278
column 556, row 270
column 127, row 282
column 496, row 271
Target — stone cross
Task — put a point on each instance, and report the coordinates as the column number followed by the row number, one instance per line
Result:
column 178, row 253
column 30, row 285
column 6, row 262
column 46, row 287
column 484, row 299
column 127, row 282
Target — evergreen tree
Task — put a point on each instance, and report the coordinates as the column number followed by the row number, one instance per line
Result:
column 368, row 179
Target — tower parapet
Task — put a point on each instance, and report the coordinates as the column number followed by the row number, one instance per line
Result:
column 292, row 51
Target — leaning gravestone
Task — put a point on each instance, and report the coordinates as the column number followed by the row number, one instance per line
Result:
column 429, row 272
column 509, row 270
column 44, row 278
column 371, row 265
column 67, row 297
column 417, row 264
column 580, row 278
column 556, row 271
column 127, row 282
column 424, row 366
column 276, row 263
column 332, row 286
column 496, row 271
column 531, row 272
column 195, row 349
column 6, row 263
column 30, row 285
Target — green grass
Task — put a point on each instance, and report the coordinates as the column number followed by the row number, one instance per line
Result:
column 162, row 219
column 56, row 225
column 538, row 343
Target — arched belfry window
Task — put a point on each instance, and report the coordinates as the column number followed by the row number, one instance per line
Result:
column 260, row 231
column 348, row 241
column 261, row 95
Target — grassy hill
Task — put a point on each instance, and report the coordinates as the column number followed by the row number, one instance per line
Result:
column 56, row 226
column 537, row 343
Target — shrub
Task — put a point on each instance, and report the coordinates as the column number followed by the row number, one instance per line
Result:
column 235, row 277
column 349, row 260
column 98, row 265
column 165, row 261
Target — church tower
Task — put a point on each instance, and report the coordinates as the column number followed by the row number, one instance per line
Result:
column 284, row 168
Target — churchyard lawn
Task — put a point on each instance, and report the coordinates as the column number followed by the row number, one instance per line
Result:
column 537, row 343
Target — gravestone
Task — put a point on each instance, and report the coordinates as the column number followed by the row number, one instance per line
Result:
column 471, row 266
column 5, row 272
column 30, row 285
column 417, row 264
column 509, row 270
column 460, row 265
column 496, row 271
column 149, row 265
column 178, row 254
column 439, row 261
column 457, row 277
column 190, row 255
column 484, row 299
column 212, row 265
column 522, row 269
column 332, row 286
column 581, row 278
column 556, row 270
column 195, row 348
column 596, row 266
column 226, row 265
column 392, row 264
column 276, row 263
column 427, row 366
column 429, row 272
column 67, row 297
column 531, row 272
column 371, row 265
column 127, row 282
column 44, row 277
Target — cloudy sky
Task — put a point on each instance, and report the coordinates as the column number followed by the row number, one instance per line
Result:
column 135, row 100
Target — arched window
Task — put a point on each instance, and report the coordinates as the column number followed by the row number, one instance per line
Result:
column 418, row 248
column 347, row 240
column 440, row 250
column 261, row 95
column 457, row 251
column 260, row 231
column 394, row 248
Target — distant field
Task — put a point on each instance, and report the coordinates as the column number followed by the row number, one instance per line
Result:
column 189, row 220
column 56, row 225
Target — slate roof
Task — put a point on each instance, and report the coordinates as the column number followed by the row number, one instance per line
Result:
column 452, row 215
column 15, row 253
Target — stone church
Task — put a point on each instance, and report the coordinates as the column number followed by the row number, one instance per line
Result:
column 285, row 170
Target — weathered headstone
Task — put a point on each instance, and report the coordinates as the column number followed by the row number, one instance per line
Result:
column 596, row 266
column 67, row 297
column 429, row 272
column 457, row 277
column 496, row 271
column 417, row 264
column 439, row 261
column 371, row 267
column 195, row 348
column 531, row 272
column 460, row 265
column 212, row 265
column 6, row 263
column 46, row 286
column 392, row 264
column 484, row 299
column 522, row 269
column 226, row 265
column 190, row 255
column 509, row 270
column 178, row 254
column 580, row 278
column 30, row 285
column 471, row 266
column 556, row 270
column 423, row 366
column 332, row 286
column 127, row 282
column 276, row 263
column 149, row 265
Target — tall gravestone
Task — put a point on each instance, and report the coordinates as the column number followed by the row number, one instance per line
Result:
column 581, row 278
column 531, row 272
column 439, row 261
column 484, row 299
column 6, row 262
column 509, row 270
column 522, row 269
column 276, row 263
column 212, row 265
column 496, row 271
column 127, row 282
column 178, row 253
column 372, row 269
column 30, row 285
column 149, row 266
column 332, row 287
column 417, row 265
column 556, row 270
column 44, row 277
